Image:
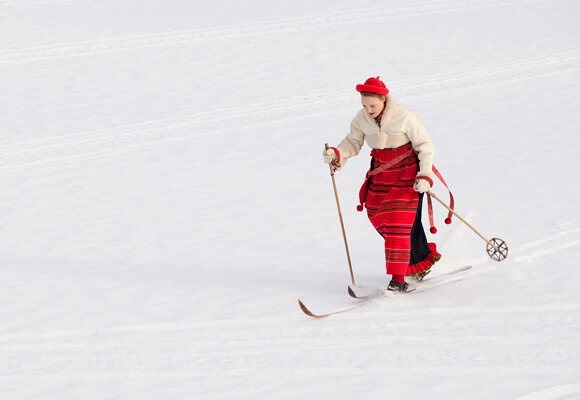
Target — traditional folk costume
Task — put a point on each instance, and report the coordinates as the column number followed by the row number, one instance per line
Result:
column 402, row 154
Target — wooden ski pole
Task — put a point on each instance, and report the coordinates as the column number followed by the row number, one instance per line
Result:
column 458, row 216
column 496, row 247
column 340, row 218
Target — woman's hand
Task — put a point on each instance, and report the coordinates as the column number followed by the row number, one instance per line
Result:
column 331, row 155
column 422, row 183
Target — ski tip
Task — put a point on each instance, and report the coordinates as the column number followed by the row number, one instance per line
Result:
column 306, row 311
column 351, row 292
column 464, row 268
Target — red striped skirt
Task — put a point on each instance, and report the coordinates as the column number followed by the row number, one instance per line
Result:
column 394, row 209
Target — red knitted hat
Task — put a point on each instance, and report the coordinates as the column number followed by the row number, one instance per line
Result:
column 373, row 85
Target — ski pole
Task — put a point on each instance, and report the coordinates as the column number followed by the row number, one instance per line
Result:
column 496, row 248
column 340, row 218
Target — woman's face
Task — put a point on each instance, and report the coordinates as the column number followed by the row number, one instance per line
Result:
column 373, row 105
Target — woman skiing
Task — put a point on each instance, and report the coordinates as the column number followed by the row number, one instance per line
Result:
column 400, row 172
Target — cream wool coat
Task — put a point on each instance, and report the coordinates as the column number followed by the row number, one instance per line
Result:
column 399, row 126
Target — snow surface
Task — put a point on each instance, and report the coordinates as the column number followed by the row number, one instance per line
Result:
column 164, row 203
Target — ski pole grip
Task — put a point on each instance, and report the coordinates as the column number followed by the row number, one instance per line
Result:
column 332, row 164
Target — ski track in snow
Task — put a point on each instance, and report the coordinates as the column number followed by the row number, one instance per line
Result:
column 80, row 146
column 100, row 347
column 261, row 28
column 26, row 3
column 548, row 245
column 8, row 340
column 559, row 392
column 487, row 343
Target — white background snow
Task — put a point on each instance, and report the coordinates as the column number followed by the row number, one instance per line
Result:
column 164, row 203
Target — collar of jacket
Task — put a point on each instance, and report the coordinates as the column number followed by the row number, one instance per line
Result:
column 388, row 113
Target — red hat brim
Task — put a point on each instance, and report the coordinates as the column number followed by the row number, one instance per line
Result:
column 372, row 89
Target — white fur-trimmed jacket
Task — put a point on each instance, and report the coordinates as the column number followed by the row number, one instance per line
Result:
column 398, row 127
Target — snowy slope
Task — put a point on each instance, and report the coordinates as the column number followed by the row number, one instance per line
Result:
column 164, row 202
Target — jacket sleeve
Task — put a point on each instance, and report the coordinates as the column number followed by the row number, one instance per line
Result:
column 422, row 144
column 353, row 142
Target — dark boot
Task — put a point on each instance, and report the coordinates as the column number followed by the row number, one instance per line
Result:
column 398, row 286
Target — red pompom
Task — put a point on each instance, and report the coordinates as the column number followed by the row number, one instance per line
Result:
column 359, row 208
column 433, row 230
column 448, row 221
